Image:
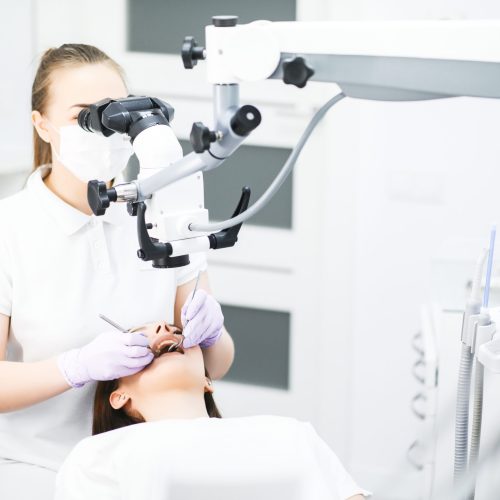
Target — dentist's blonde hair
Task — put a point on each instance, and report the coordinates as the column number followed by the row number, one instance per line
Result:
column 68, row 54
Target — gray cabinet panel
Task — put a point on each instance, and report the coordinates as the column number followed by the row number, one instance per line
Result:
column 262, row 344
column 254, row 166
column 161, row 25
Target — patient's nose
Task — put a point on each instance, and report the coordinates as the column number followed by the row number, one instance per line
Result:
column 163, row 327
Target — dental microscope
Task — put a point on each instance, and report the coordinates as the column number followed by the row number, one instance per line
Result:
column 377, row 60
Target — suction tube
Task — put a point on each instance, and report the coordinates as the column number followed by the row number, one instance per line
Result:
column 462, row 413
column 472, row 307
column 477, row 414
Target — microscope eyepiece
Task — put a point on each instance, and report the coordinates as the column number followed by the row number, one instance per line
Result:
column 91, row 118
column 129, row 115
column 84, row 119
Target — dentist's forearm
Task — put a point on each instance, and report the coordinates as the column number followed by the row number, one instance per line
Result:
column 219, row 357
column 25, row 384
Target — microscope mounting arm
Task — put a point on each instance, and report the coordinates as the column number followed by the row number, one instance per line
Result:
column 376, row 60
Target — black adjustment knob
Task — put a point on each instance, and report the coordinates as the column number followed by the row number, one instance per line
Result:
column 191, row 52
column 201, row 137
column 246, row 119
column 296, row 71
column 224, row 21
column 99, row 196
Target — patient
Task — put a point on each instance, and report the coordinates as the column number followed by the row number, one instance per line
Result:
column 179, row 388
column 158, row 435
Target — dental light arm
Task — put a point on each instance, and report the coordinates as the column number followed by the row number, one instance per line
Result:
column 396, row 61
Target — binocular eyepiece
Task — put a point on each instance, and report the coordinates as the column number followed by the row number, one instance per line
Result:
column 84, row 120
column 130, row 115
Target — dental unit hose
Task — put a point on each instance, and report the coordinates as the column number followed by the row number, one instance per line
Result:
column 278, row 180
column 472, row 308
column 477, row 412
column 477, row 329
column 462, row 413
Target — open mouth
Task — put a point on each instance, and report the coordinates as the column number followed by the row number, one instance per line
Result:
column 167, row 343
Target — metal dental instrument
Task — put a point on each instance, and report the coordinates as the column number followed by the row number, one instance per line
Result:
column 116, row 325
column 195, row 286
column 192, row 297
column 112, row 323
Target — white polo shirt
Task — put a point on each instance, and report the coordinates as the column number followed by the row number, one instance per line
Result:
column 60, row 268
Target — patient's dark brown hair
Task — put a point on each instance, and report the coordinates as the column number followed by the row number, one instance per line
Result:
column 106, row 418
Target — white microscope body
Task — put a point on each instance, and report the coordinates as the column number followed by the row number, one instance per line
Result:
column 176, row 205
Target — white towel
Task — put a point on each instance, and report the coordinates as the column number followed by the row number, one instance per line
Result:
column 263, row 457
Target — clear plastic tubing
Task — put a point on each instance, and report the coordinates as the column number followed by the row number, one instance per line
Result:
column 486, row 295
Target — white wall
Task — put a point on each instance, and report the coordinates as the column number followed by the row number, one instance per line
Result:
column 425, row 185
column 16, row 56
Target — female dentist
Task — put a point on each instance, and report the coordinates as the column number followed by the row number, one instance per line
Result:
column 60, row 266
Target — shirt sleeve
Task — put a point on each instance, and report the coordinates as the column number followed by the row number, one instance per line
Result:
column 334, row 473
column 5, row 278
column 190, row 272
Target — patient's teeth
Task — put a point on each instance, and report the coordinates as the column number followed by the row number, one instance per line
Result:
column 167, row 344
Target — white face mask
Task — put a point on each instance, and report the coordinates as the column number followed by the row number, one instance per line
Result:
column 91, row 156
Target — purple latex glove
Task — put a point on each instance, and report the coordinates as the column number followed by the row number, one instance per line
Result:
column 109, row 356
column 202, row 320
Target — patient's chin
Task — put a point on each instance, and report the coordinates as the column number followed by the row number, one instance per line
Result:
column 171, row 362
column 172, row 370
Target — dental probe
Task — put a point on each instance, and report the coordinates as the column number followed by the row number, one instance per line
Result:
column 196, row 285
column 116, row 325
column 194, row 291
column 112, row 323
column 187, row 321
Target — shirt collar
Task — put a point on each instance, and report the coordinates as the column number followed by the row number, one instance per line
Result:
column 69, row 218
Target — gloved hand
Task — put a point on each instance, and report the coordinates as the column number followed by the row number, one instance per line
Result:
column 111, row 355
column 202, row 320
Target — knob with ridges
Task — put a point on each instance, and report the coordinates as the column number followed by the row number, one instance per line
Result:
column 201, row 137
column 191, row 52
column 296, row 72
column 99, row 196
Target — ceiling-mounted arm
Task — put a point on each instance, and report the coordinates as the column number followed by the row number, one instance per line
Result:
column 399, row 60
column 396, row 78
column 378, row 60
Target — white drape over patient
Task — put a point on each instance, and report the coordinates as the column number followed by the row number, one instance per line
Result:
column 263, row 457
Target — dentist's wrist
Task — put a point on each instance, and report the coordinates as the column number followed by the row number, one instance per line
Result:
column 69, row 366
column 210, row 341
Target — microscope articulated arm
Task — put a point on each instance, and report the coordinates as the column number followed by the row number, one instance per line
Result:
column 377, row 60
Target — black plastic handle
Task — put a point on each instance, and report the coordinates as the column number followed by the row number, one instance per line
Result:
column 228, row 237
